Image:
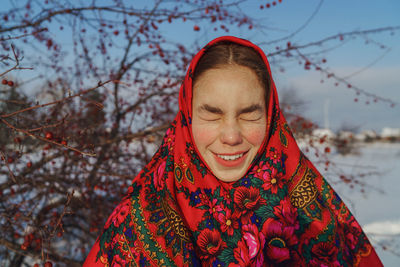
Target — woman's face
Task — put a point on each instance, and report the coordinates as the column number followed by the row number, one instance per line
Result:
column 229, row 119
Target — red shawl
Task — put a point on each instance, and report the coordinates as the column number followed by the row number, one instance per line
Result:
column 282, row 212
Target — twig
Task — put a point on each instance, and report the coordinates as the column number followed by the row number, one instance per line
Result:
column 138, row 134
column 46, row 140
column 57, row 101
column 16, row 64
column 69, row 197
column 334, row 37
column 344, row 81
column 17, row 249
column 50, row 125
column 22, row 36
column 8, row 167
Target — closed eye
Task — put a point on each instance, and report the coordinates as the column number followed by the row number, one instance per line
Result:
column 209, row 118
column 251, row 113
column 210, row 113
column 252, row 117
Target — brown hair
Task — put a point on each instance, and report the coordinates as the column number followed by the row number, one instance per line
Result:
column 228, row 53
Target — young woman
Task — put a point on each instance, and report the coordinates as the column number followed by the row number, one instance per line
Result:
column 228, row 185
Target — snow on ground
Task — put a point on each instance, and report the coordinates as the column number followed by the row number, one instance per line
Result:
column 378, row 208
column 383, row 228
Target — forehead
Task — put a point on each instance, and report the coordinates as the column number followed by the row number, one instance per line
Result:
column 227, row 85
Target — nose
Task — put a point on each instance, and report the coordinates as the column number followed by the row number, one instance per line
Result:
column 231, row 133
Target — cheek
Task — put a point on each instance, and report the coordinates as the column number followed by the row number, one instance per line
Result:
column 256, row 136
column 203, row 137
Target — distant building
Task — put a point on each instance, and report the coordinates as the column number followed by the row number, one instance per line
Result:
column 390, row 134
column 366, row 136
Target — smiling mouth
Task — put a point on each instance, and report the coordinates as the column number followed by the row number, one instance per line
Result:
column 230, row 157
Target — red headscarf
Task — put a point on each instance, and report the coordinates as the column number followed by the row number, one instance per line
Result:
column 281, row 212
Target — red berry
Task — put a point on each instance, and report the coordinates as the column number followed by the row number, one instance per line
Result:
column 63, row 142
column 36, row 265
column 4, row 81
column 327, row 149
column 29, row 164
column 10, row 160
column 10, row 83
column 196, row 28
column 48, row 264
column 49, row 135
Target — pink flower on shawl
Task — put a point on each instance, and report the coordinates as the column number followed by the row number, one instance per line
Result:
column 261, row 169
column 158, row 178
column 274, row 155
column 170, row 139
column 324, row 254
column 214, row 209
column 255, row 242
column 119, row 214
column 241, row 254
column 287, row 214
column 272, row 181
column 279, row 242
column 250, row 247
column 228, row 222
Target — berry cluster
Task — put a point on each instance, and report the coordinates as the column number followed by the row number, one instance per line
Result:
column 268, row 5
column 9, row 83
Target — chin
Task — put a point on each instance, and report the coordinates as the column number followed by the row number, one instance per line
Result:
column 229, row 177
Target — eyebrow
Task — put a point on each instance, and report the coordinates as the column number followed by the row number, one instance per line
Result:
column 215, row 110
column 250, row 109
column 211, row 109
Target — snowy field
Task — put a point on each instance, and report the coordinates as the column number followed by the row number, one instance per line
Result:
column 378, row 208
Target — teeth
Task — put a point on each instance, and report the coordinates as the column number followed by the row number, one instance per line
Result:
column 233, row 157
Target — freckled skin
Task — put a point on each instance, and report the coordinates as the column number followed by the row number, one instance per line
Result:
column 229, row 118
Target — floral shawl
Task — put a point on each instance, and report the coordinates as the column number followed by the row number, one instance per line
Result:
column 282, row 212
